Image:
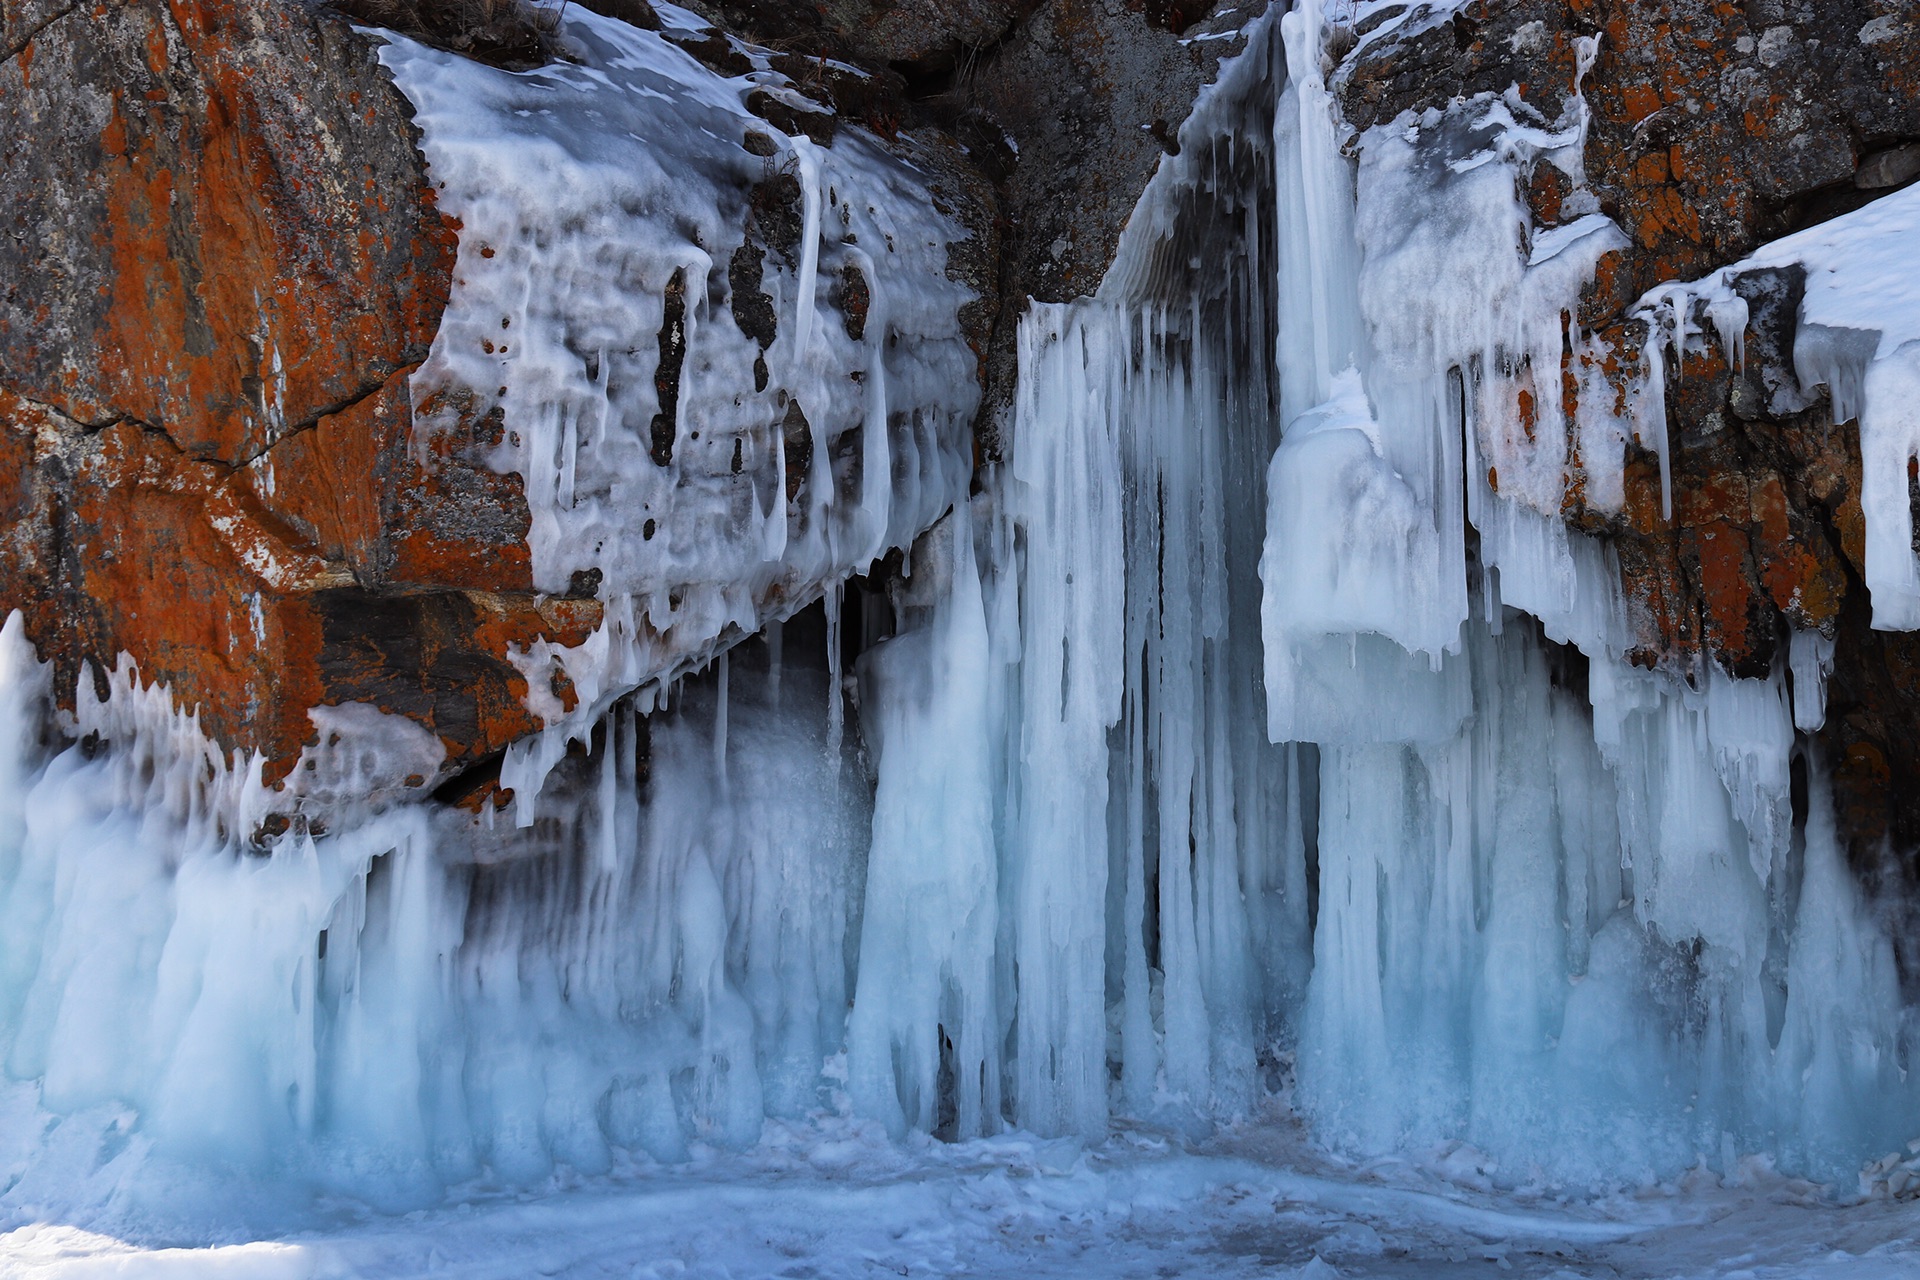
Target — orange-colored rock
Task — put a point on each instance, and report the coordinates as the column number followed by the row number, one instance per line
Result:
column 225, row 263
column 224, row 231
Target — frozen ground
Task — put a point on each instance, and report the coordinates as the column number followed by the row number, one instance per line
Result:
column 844, row 1203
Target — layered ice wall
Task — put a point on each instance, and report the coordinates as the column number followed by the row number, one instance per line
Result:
column 409, row 1001
column 1132, row 930
column 727, row 364
column 1484, row 880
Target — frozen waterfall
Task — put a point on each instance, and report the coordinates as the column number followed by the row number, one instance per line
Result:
column 1256, row 735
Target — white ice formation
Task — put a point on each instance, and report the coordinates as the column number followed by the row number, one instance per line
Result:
column 1565, row 911
column 1210, row 761
column 709, row 480
column 406, row 1002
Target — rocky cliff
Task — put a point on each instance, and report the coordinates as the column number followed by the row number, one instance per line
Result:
column 223, row 264
column 227, row 263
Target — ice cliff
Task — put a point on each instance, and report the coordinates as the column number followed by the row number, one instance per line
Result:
column 1402, row 647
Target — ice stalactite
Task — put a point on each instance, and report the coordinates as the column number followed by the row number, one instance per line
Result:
column 1066, row 499
column 1202, row 846
column 411, row 999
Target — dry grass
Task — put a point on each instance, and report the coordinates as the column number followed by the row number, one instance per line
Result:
column 507, row 33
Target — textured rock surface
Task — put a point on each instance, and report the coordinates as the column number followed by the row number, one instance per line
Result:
column 224, row 261
column 1093, row 94
column 1715, row 128
column 1068, row 105
column 201, row 241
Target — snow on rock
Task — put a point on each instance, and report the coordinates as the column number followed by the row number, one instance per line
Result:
column 1454, row 313
column 728, row 363
column 1858, row 336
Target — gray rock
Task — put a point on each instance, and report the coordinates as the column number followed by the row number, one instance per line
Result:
column 1891, row 168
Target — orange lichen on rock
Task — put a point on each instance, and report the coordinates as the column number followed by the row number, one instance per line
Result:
column 206, row 428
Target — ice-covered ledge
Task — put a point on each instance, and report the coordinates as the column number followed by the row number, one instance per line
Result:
column 1858, row 335
column 728, row 361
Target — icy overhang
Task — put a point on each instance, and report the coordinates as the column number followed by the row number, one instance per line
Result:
column 727, row 362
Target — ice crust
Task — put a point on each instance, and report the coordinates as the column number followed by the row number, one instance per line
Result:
column 1207, row 764
column 589, row 190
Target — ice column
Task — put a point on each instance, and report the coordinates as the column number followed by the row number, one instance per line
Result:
column 1065, row 496
column 925, row 1012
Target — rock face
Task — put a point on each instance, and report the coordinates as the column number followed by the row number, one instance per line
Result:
column 1715, row 129
column 225, row 265
column 225, row 261
column 1093, row 93
column 1068, row 105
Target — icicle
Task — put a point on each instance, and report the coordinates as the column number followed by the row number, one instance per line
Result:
column 775, row 636
column 1810, row 659
column 1464, row 803
column 876, row 456
column 1320, row 329
column 720, row 727
column 806, row 304
column 1575, row 927
column 1889, row 447
column 836, row 696
column 389, row 1005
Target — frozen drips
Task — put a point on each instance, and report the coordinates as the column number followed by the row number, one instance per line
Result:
column 406, row 999
column 728, row 363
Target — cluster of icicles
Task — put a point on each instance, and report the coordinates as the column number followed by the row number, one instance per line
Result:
column 1206, row 769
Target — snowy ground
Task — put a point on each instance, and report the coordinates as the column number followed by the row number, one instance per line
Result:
column 814, row 1206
